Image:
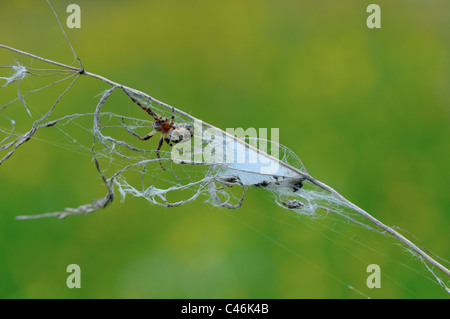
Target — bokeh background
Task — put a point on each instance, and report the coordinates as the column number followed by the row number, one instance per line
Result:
column 367, row 111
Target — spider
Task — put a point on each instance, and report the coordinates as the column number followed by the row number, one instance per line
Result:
column 171, row 132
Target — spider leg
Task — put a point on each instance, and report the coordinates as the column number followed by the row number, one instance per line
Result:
column 146, row 137
column 167, row 140
column 172, row 120
column 146, row 109
column 157, row 151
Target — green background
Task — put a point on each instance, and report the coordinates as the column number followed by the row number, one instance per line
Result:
column 367, row 111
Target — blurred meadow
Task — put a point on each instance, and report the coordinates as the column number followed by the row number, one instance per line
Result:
column 366, row 110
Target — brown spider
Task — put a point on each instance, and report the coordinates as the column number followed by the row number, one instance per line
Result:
column 170, row 130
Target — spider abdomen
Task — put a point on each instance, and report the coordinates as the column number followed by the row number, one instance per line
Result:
column 180, row 132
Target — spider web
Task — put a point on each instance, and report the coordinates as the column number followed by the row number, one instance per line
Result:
column 212, row 166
